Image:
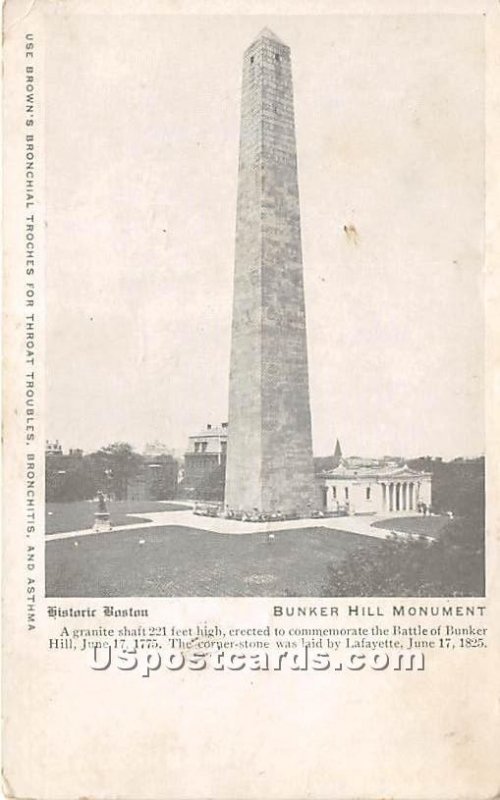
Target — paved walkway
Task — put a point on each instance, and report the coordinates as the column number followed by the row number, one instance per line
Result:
column 362, row 525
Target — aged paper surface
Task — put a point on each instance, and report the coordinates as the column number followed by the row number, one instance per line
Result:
column 251, row 375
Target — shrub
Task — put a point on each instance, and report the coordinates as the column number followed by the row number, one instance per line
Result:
column 414, row 567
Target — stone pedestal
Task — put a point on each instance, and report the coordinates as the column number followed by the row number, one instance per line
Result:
column 102, row 523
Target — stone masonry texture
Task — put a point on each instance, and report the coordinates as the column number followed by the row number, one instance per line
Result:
column 269, row 461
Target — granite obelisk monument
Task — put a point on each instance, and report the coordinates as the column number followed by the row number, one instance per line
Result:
column 269, row 458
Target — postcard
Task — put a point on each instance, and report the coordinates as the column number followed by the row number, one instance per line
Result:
column 251, row 361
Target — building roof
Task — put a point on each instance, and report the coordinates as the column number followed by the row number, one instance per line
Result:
column 215, row 430
column 375, row 471
column 156, row 448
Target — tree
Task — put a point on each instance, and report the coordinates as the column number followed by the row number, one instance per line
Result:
column 67, row 479
column 116, row 464
column 453, row 566
column 457, row 485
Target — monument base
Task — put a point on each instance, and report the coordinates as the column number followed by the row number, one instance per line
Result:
column 271, row 516
column 101, row 522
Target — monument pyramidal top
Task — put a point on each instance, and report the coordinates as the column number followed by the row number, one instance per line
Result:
column 267, row 33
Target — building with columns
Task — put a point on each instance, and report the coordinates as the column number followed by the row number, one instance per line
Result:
column 374, row 487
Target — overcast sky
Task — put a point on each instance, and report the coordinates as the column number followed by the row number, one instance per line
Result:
column 142, row 126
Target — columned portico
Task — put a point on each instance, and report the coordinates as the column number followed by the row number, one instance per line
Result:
column 398, row 496
column 372, row 490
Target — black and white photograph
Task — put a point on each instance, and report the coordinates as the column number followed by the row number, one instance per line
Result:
column 250, row 410
column 264, row 369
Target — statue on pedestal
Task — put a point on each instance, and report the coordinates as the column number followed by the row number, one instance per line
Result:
column 101, row 516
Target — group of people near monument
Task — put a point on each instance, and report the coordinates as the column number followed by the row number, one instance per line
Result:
column 218, row 510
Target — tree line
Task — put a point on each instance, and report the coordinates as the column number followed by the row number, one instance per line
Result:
column 111, row 469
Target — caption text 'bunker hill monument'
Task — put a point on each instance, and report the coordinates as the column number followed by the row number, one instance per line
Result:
column 269, row 458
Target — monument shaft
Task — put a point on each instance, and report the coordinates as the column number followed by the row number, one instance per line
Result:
column 269, row 462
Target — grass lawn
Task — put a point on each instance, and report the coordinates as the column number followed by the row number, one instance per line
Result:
column 181, row 562
column 78, row 516
column 428, row 526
